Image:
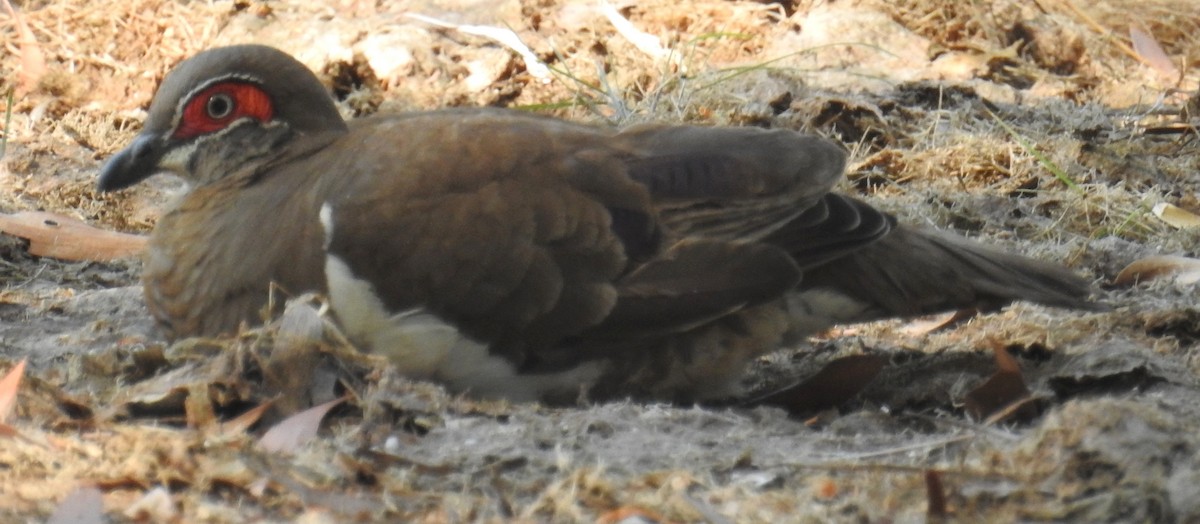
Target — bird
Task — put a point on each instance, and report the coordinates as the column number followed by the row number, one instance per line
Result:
column 511, row 255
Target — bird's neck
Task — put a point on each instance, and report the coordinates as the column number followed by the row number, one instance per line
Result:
column 244, row 156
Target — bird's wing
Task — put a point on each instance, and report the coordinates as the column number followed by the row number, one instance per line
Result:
column 523, row 231
column 695, row 282
column 749, row 184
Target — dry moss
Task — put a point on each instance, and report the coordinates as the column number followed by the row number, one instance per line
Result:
column 922, row 118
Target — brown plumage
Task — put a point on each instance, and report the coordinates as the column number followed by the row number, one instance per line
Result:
column 514, row 255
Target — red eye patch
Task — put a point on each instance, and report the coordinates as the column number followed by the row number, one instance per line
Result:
column 231, row 101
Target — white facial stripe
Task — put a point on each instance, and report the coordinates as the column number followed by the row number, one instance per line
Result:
column 176, row 160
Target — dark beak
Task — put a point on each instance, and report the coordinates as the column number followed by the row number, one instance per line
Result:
column 132, row 165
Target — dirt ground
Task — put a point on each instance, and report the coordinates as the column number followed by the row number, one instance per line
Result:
column 1041, row 126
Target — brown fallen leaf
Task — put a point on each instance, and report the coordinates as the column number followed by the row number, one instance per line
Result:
column 33, row 61
column 162, row 395
column 48, row 401
column 242, row 423
column 1150, row 53
column 84, row 505
column 1185, row 270
column 1022, row 409
column 8, row 431
column 825, row 488
column 1176, row 216
column 289, row 434
column 57, row 236
column 1003, row 389
column 926, row 325
column 9, row 386
column 198, row 408
column 834, row 384
column 174, row 394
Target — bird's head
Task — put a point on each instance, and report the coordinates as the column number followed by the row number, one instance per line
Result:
column 223, row 111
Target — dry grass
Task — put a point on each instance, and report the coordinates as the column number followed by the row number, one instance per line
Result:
column 113, row 53
column 1024, row 123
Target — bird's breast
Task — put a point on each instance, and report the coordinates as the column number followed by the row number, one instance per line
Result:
column 213, row 260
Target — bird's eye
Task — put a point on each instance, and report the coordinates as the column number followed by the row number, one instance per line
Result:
column 219, row 106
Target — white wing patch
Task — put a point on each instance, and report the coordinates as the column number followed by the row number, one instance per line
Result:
column 423, row 346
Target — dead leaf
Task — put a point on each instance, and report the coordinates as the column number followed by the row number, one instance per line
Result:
column 33, row 62
column 49, row 401
column 205, row 364
column 1186, row 271
column 9, row 386
column 1176, row 216
column 1024, row 409
column 1004, row 388
column 164, row 394
column 57, row 236
column 155, row 506
column 8, row 431
column 834, row 384
column 1151, row 53
column 289, row 434
column 927, row 325
column 198, row 407
column 84, row 505
column 825, row 488
column 242, row 423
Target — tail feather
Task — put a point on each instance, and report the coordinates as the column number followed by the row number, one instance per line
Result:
column 914, row 272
